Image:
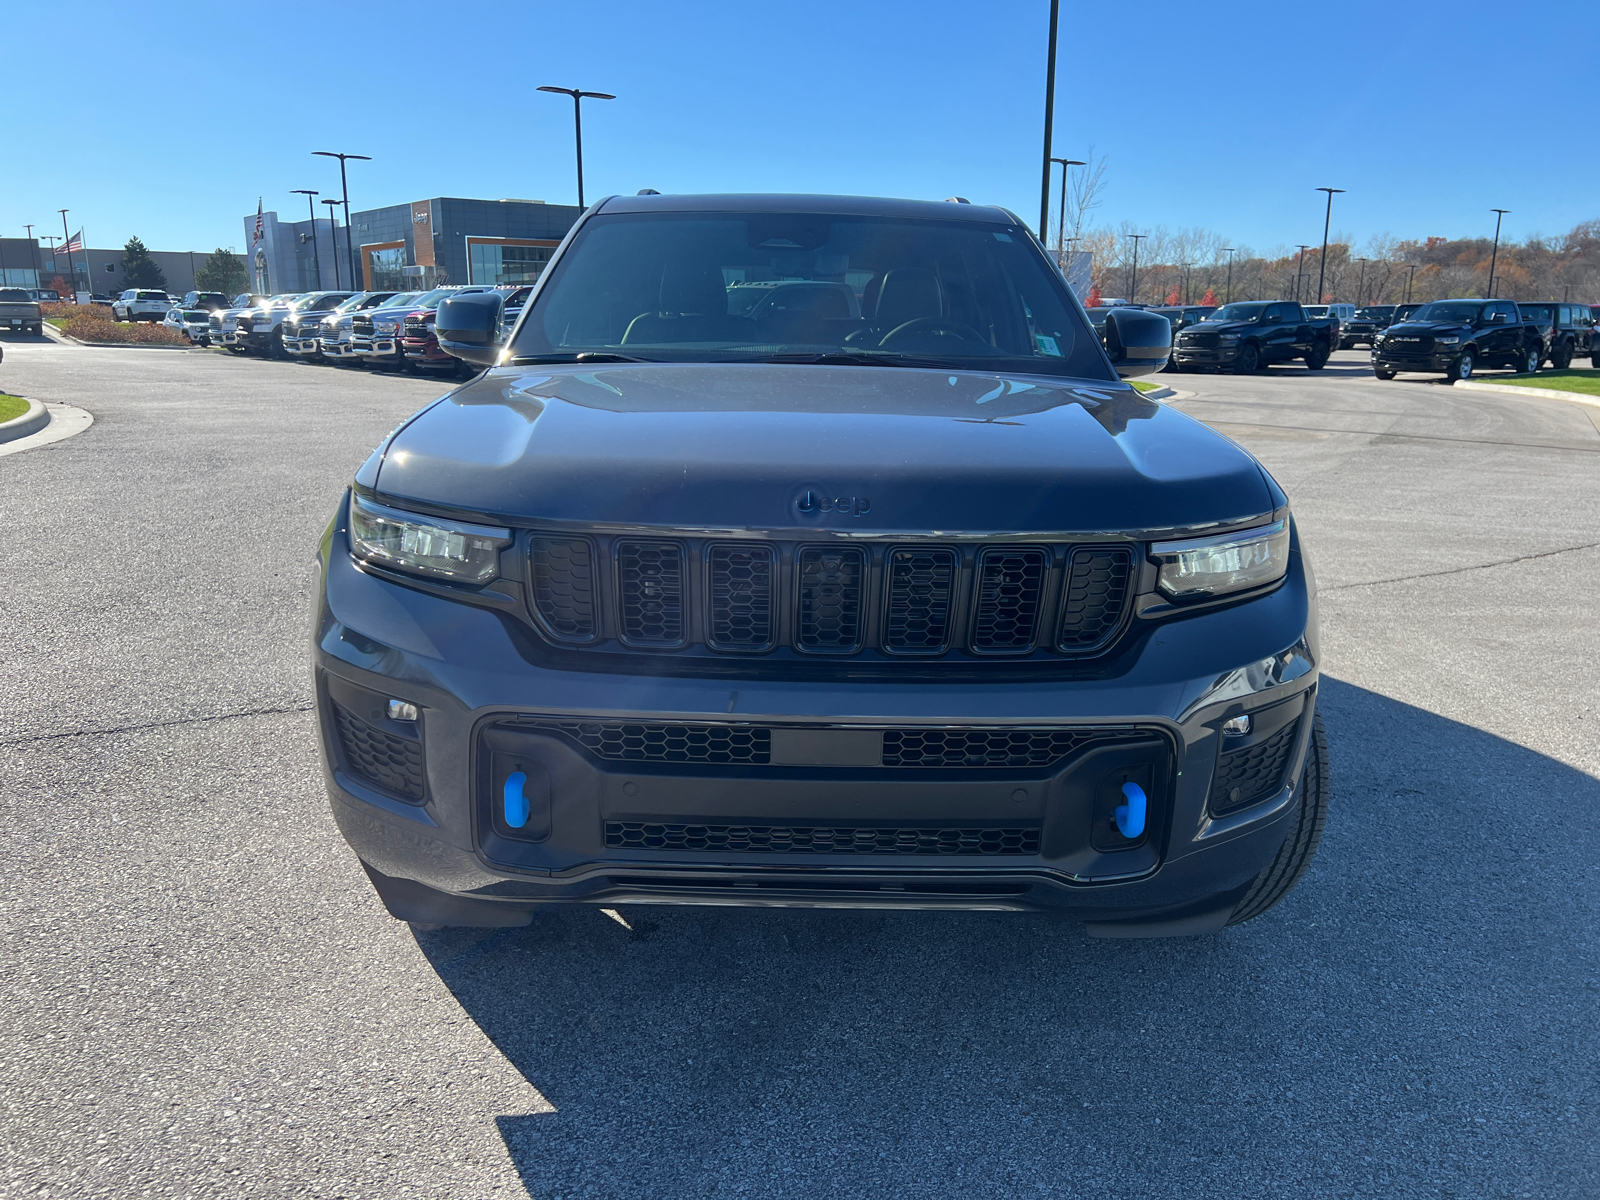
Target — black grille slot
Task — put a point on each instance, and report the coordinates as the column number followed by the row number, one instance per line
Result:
column 393, row 763
column 829, row 618
column 1096, row 592
column 920, row 586
column 741, row 597
column 1252, row 773
column 982, row 747
column 1007, row 612
column 792, row 839
column 1198, row 341
column 650, row 593
column 628, row 741
column 562, row 572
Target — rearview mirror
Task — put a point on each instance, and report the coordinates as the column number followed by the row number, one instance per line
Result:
column 1137, row 342
column 468, row 327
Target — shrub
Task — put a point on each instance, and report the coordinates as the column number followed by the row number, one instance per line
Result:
column 93, row 323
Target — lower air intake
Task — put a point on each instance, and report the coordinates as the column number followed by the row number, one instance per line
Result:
column 393, row 763
column 799, row 839
column 1252, row 774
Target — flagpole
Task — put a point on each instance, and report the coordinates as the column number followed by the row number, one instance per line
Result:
column 66, row 235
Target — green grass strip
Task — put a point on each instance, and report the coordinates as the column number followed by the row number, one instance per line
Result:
column 1587, row 382
column 11, row 407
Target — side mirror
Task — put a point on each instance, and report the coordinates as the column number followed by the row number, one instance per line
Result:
column 1499, row 318
column 1137, row 342
column 468, row 327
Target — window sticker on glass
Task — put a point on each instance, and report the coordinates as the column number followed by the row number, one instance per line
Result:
column 1002, row 237
column 1047, row 345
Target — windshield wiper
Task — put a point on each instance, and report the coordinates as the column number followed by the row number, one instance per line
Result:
column 586, row 356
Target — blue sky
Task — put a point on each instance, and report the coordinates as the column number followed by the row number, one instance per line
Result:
column 1224, row 116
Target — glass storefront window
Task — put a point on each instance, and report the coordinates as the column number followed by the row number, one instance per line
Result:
column 493, row 262
column 386, row 268
column 19, row 277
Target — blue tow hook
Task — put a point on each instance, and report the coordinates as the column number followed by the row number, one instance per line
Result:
column 1130, row 816
column 517, row 803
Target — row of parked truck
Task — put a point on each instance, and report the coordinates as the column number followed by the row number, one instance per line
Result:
column 387, row 330
column 1449, row 337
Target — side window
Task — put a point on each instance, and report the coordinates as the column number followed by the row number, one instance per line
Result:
column 1275, row 313
column 1510, row 311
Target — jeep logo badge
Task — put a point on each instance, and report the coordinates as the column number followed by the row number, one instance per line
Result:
column 813, row 502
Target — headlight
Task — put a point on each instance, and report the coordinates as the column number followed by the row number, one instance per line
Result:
column 422, row 545
column 383, row 327
column 1227, row 337
column 1218, row 565
column 1449, row 341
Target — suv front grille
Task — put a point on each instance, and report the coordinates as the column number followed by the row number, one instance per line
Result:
column 898, row 601
column 1198, row 341
column 741, row 597
column 416, row 327
column 563, row 586
column 921, row 588
column 650, row 581
column 1009, row 587
column 830, row 599
column 790, row 839
column 1249, row 775
column 751, row 745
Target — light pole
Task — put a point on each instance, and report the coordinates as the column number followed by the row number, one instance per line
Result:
column 1411, row 269
column 66, row 240
column 1049, row 119
column 1133, row 284
column 316, row 255
column 345, row 187
column 333, row 234
column 1229, row 293
column 1361, row 285
column 1299, row 271
column 578, row 97
column 1322, row 266
column 1061, row 214
column 1499, row 215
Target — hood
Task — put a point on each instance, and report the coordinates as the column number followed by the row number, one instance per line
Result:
column 1431, row 328
column 1221, row 326
column 725, row 447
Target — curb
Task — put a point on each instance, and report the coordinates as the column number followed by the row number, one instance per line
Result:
column 1511, row 389
column 30, row 422
column 65, row 421
column 1160, row 393
column 67, row 337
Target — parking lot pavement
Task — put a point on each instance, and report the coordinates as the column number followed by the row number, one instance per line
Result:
column 203, row 998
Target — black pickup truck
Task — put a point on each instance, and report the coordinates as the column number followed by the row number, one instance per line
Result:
column 1252, row 334
column 1454, row 337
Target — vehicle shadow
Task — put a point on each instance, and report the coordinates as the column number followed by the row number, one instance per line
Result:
column 1411, row 1020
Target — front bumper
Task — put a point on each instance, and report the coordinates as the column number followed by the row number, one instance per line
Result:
column 606, row 830
column 426, row 353
column 1432, row 362
column 1204, row 358
column 337, row 350
column 305, row 347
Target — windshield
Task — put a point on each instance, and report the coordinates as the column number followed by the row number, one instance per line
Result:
column 704, row 287
column 195, row 314
column 1447, row 311
column 431, row 299
column 356, row 301
column 1238, row 312
column 1376, row 314
column 1538, row 312
column 12, row 294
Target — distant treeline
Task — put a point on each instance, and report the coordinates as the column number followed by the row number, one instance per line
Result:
column 1190, row 266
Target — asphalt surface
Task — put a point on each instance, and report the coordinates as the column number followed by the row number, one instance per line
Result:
column 202, row 997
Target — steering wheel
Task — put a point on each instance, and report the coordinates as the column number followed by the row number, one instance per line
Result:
column 935, row 325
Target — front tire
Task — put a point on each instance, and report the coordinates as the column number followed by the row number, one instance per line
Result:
column 1305, row 834
column 1530, row 362
column 1383, row 373
column 1461, row 368
column 1248, row 362
column 1562, row 358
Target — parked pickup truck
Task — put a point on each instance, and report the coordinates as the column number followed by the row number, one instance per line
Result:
column 19, row 311
column 1454, row 337
column 1252, row 334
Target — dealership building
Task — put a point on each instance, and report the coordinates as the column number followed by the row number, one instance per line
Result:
column 408, row 247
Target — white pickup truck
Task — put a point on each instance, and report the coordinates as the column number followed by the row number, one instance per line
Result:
column 19, row 311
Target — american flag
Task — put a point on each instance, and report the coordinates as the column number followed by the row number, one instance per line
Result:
column 74, row 243
column 260, row 224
